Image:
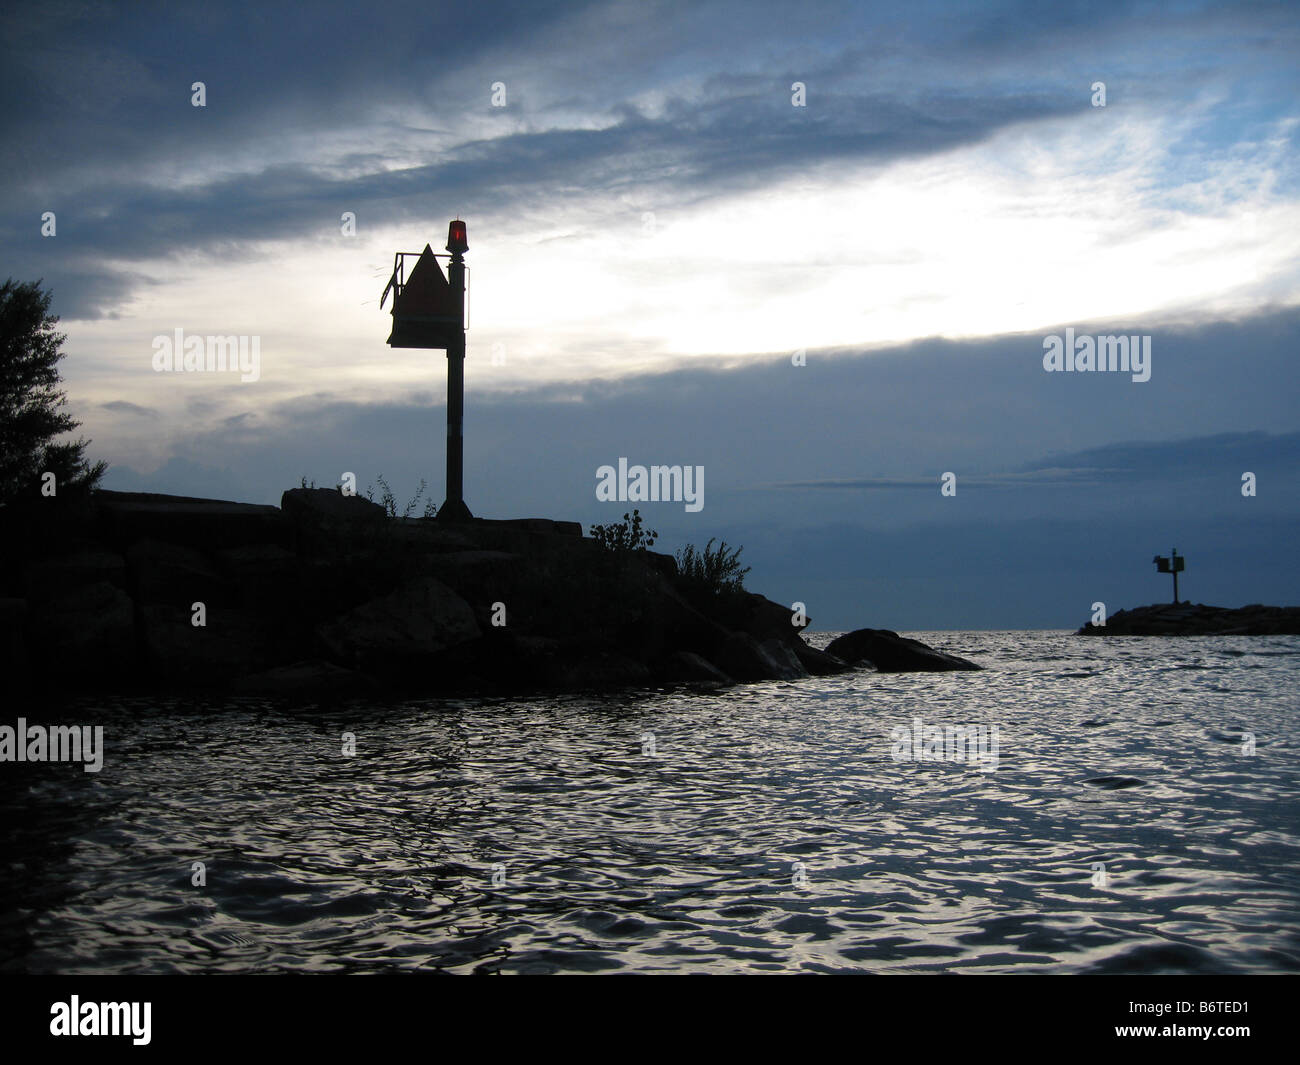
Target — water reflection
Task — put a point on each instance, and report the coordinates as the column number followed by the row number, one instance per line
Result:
column 764, row 828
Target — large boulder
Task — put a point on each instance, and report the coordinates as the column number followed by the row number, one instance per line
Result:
column 36, row 525
column 85, row 634
column 73, row 569
column 744, row 658
column 544, row 526
column 891, row 653
column 481, row 578
column 175, row 574
column 13, row 649
column 207, row 524
column 595, row 669
column 691, row 668
column 230, row 643
column 662, row 621
column 499, row 662
column 266, row 577
column 329, row 505
column 818, row 663
column 424, row 536
column 399, row 631
column 757, row 615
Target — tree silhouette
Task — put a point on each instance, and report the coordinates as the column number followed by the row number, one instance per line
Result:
column 31, row 401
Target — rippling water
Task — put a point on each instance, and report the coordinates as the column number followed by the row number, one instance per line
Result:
column 765, row 828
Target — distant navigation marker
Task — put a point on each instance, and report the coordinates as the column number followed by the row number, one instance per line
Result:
column 1172, row 565
column 429, row 312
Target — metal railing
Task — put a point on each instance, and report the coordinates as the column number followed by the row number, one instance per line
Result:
column 398, row 279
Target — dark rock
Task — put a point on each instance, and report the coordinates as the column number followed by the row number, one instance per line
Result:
column 231, row 643
column 690, row 667
column 13, row 645
column 891, row 653
column 313, row 678
column 332, row 587
column 1187, row 619
column 329, row 505
column 36, row 524
column 522, row 661
column 783, row 656
column 665, row 564
column 204, row 523
column 481, row 578
column 456, row 561
column 419, row 534
column 662, row 621
column 397, row 631
column 75, row 569
column 760, row 617
column 819, row 663
column 546, row 526
column 539, row 646
column 744, row 658
column 499, row 662
column 174, row 574
column 265, row 577
column 84, row 633
column 596, row 670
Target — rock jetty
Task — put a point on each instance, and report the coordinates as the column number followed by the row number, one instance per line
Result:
column 328, row 595
column 1197, row 619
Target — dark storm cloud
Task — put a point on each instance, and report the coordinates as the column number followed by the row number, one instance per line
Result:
column 97, row 85
column 97, row 104
column 1129, row 461
column 737, row 141
column 121, row 406
column 1193, row 457
column 77, row 289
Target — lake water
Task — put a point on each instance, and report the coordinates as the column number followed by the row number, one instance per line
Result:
column 1126, row 827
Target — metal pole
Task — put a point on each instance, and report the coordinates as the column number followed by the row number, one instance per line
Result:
column 1173, row 565
column 454, row 508
column 456, row 423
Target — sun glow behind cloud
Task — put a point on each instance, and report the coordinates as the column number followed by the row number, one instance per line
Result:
column 1042, row 224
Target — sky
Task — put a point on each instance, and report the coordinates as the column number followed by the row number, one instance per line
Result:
column 815, row 249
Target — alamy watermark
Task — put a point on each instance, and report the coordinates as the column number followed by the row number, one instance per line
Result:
column 975, row 745
column 55, row 743
column 75, row 1017
column 1122, row 354
column 211, row 354
column 654, row 484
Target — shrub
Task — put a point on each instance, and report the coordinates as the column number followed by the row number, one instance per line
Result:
column 389, row 501
column 627, row 535
column 715, row 570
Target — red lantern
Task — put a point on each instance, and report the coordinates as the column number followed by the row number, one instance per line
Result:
column 457, row 240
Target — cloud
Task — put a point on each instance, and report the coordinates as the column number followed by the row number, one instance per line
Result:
column 1187, row 458
column 597, row 133
column 121, row 406
column 1133, row 461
